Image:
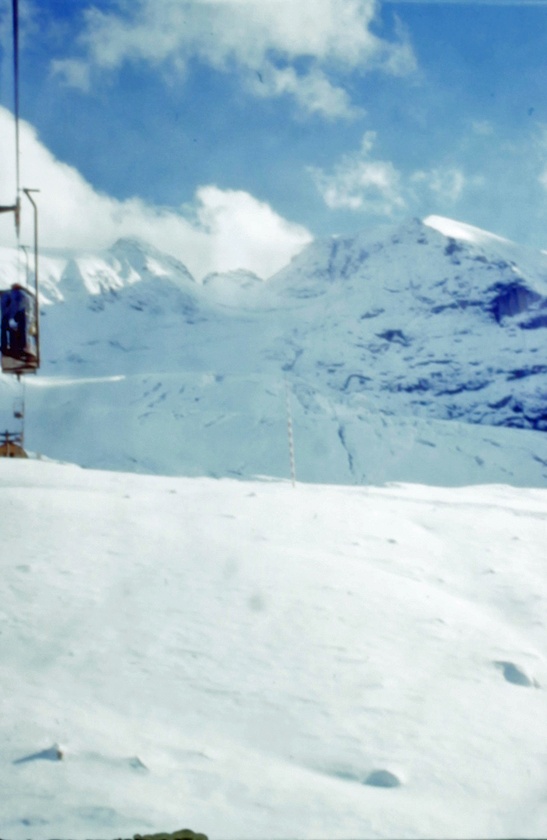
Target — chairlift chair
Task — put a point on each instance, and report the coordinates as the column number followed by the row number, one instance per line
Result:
column 18, row 331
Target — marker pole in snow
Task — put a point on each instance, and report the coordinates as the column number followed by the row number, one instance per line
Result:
column 290, row 433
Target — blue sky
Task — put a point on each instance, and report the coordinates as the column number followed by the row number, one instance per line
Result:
column 231, row 132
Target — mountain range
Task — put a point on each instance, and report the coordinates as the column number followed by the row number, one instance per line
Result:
column 384, row 352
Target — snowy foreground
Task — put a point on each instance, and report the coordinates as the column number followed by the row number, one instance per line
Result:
column 244, row 658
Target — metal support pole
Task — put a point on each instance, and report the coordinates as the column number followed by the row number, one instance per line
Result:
column 27, row 270
column 35, row 208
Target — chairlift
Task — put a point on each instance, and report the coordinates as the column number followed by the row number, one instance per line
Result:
column 19, row 309
column 18, row 330
column 19, row 312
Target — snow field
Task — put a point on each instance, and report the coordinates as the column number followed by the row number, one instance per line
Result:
column 241, row 656
column 198, row 424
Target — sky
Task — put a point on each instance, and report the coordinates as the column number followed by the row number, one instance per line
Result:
column 230, row 133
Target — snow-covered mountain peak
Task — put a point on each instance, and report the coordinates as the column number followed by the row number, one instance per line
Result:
column 67, row 275
column 447, row 261
column 138, row 260
column 416, row 320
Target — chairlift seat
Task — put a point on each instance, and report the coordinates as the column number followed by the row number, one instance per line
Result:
column 18, row 345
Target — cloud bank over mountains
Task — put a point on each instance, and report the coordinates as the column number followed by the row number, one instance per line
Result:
column 220, row 230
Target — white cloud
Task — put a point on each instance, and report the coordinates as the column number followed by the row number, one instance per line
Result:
column 222, row 230
column 76, row 74
column 359, row 182
column 363, row 183
column 247, row 233
column 312, row 91
column 258, row 36
column 447, row 183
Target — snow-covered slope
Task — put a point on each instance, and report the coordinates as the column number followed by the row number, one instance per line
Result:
column 381, row 339
column 255, row 660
